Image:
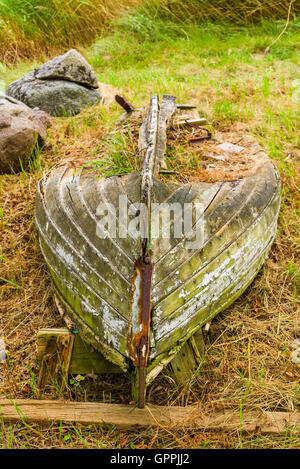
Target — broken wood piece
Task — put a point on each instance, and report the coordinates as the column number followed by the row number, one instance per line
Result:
column 166, row 113
column 186, row 106
column 192, row 122
column 167, row 171
column 124, row 103
column 55, row 360
column 128, row 417
column 84, row 358
column 196, row 140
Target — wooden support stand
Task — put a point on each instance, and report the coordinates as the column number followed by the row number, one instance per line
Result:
column 188, row 360
column 56, row 357
column 60, row 352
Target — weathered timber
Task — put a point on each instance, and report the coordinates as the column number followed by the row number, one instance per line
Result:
column 129, row 417
column 188, row 361
column 184, row 364
column 55, row 360
column 166, row 113
column 185, row 106
column 148, row 150
column 75, row 322
column 199, row 295
column 84, row 358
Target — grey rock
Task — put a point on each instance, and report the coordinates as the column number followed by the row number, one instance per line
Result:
column 56, row 97
column 19, row 133
column 70, row 66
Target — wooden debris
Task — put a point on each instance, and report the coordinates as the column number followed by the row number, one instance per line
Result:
column 128, row 417
column 168, row 171
column 147, row 148
column 124, row 103
column 196, row 140
column 186, row 106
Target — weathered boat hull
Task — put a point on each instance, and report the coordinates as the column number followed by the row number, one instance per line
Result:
column 92, row 276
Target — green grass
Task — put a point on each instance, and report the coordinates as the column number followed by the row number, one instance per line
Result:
column 33, row 28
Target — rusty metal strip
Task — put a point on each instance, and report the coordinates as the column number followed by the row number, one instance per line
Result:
column 138, row 339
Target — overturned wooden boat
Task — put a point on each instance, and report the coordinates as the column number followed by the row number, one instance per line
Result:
column 140, row 300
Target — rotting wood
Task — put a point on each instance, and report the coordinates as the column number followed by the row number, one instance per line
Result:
column 128, row 417
column 55, row 360
column 188, row 360
column 147, row 147
column 84, row 358
column 185, row 106
column 166, row 113
column 138, row 337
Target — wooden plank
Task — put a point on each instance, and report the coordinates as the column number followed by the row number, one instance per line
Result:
column 184, row 365
column 128, row 417
column 84, row 359
column 188, row 360
column 166, row 113
column 56, row 358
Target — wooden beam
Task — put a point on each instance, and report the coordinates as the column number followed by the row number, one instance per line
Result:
column 127, row 417
column 188, row 360
column 166, row 113
column 55, row 360
column 84, row 359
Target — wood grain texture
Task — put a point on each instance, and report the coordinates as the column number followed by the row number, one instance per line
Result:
column 128, row 417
